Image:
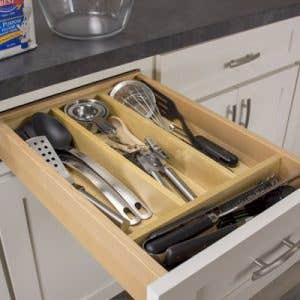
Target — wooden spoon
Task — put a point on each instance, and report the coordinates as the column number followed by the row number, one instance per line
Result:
column 123, row 133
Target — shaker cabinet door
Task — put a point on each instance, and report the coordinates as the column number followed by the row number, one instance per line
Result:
column 264, row 105
column 66, row 270
column 15, row 239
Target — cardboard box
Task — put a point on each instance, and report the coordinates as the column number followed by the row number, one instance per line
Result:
column 16, row 27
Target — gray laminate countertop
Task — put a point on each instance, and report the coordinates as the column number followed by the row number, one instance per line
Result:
column 155, row 27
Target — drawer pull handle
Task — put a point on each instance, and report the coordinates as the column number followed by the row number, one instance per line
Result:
column 242, row 60
column 246, row 104
column 231, row 110
column 266, row 268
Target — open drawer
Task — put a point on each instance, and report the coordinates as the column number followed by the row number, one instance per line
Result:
column 211, row 274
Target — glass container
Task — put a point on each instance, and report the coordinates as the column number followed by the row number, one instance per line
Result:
column 86, row 19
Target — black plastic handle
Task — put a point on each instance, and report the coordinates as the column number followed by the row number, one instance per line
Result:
column 215, row 151
column 195, row 227
column 185, row 250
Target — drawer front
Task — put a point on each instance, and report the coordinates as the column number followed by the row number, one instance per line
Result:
column 251, row 289
column 204, row 69
column 229, row 263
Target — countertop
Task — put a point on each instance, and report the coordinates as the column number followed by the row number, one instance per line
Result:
column 155, row 27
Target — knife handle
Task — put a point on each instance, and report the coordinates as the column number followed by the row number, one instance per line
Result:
column 215, row 151
column 185, row 250
column 181, row 234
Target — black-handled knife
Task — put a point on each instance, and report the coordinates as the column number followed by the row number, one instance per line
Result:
column 181, row 234
column 182, row 251
column 199, row 225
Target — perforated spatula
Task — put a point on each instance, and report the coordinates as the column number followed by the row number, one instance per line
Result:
column 43, row 147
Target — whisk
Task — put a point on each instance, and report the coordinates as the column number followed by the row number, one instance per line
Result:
column 140, row 98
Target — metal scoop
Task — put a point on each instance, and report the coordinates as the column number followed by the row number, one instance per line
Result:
column 90, row 112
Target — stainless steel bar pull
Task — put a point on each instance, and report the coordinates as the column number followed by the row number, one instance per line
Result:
column 242, row 60
column 231, row 111
column 246, row 105
column 267, row 268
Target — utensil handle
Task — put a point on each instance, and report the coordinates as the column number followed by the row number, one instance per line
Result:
column 195, row 227
column 185, row 250
column 216, row 152
column 116, row 218
column 158, row 178
column 180, row 184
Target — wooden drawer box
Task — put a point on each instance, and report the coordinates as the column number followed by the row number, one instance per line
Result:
column 226, row 264
column 211, row 67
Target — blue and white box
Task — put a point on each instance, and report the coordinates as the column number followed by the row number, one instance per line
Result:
column 17, row 33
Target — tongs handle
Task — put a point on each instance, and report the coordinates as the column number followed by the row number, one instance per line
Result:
column 180, row 184
column 116, row 218
column 156, row 175
column 185, row 250
column 181, row 234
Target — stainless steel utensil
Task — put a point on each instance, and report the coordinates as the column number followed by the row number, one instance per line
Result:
column 154, row 165
column 92, row 114
column 131, row 214
column 140, row 98
column 62, row 140
column 140, row 208
column 43, row 147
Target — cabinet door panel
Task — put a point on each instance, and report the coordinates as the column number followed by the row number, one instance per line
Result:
column 66, row 270
column 224, row 104
column 270, row 100
column 16, row 239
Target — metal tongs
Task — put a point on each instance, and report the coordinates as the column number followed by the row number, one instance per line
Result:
column 153, row 160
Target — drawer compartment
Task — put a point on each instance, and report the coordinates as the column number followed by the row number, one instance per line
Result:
column 205, row 69
column 120, row 253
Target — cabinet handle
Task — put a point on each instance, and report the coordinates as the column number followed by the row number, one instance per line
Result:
column 266, row 268
column 231, row 110
column 242, row 60
column 246, row 104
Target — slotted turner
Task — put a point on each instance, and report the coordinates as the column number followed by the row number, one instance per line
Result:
column 43, row 147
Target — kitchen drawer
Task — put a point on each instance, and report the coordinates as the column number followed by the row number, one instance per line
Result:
column 120, row 253
column 202, row 70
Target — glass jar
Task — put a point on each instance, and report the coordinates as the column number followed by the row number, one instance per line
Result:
column 86, row 19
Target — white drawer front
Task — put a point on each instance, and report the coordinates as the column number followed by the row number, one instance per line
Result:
column 229, row 263
column 200, row 70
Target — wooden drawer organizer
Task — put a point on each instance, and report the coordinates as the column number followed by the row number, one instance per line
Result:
column 211, row 181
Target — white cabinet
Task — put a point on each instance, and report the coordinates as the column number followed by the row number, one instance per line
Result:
column 43, row 259
column 268, row 102
column 292, row 139
column 66, row 270
column 262, row 106
column 211, row 67
column 15, row 239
